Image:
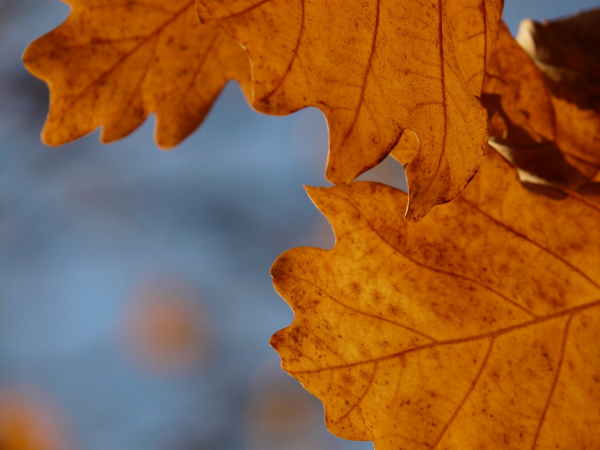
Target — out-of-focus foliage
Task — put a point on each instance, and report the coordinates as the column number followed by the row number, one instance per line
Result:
column 29, row 420
column 279, row 416
column 550, row 131
column 566, row 50
column 484, row 316
column 111, row 64
column 165, row 329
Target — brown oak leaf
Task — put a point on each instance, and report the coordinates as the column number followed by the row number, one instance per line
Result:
column 375, row 68
column 566, row 50
column 476, row 328
column 111, row 64
column 539, row 125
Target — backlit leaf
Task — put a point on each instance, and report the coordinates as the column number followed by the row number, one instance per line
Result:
column 541, row 126
column 375, row 68
column 476, row 328
column 566, row 50
column 111, row 64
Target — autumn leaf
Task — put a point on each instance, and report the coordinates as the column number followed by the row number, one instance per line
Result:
column 518, row 87
column 111, row 64
column 566, row 50
column 375, row 69
column 476, row 328
column 550, row 137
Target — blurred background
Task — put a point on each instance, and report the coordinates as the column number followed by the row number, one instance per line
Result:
column 136, row 303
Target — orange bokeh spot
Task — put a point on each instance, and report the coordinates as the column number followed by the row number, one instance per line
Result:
column 30, row 421
column 165, row 328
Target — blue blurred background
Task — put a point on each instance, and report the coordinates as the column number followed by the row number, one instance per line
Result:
column 108, row 251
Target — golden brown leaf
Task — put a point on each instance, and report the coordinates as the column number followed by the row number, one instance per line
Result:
column 567, row 52
column 375, row 68
column 111, row 64
column 552, row 138
column 476, row 328
column 517, row 89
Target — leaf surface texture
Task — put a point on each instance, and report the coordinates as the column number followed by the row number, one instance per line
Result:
column 476, row 328
column 111, row 64
column 375, row 68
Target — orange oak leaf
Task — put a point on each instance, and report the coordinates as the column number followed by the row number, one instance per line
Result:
column 375, row 68
column 551, row 137
column 476, row 328
column 111, row 64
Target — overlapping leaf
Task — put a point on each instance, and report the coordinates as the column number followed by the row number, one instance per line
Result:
column 111, row 64
column 375, row 68
column 476, row 328
column 566, row 50
column 545, row 128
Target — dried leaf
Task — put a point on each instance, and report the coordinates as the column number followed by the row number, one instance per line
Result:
column 111, row 64
column 476, row 328
column 567, row 52
column 552, row 139
column 518, row 92
column 375, row 68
